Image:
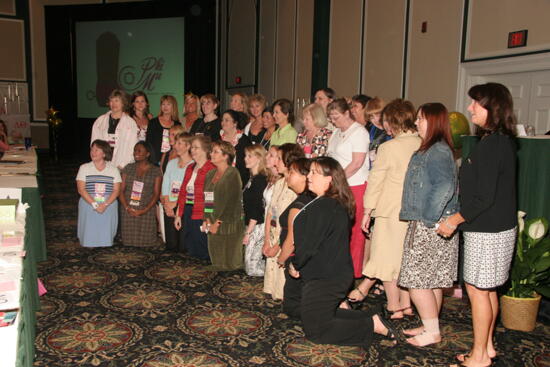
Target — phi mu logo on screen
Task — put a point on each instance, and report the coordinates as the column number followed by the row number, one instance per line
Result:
column 111, row 76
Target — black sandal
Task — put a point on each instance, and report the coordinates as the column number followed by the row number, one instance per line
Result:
column 393, row 332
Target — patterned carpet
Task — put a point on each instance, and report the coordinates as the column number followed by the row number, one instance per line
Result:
column 125, row 306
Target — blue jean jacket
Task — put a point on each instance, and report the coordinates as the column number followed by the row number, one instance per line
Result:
column 430, row 190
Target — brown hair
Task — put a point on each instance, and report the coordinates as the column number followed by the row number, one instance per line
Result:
column 339, row 188
column 120, row 94
column 135, row 95
column 400, row 116
column 286, row 108
column 340, row 105
column 498, row 102
column 227, row 149
column 105, row 147
column 374, row 105
column 290, row 152
column 185, row 137
column 205, row 142
column 438, row 127
column 212, row 98
column 174, row 103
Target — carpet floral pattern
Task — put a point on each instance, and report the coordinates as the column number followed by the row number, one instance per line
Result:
column 143, row 307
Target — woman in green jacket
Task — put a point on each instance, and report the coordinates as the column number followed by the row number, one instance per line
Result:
column 223, row 211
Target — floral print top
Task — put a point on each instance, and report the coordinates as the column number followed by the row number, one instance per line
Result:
column 318, row 145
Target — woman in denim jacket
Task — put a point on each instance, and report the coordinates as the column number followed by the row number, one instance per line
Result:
column 429, row 194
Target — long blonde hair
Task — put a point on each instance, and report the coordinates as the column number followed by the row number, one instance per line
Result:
column 259, row 152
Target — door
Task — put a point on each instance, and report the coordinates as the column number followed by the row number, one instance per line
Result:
column 531, row 93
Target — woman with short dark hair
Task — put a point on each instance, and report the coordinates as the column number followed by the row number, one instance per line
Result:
column 139, row 194
column 284, row 118
column 118, row 129
column 209, row 124
column 98, row 183
column 488, row 213
column 231, row 134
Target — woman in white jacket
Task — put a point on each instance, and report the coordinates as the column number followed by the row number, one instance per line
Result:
column 118, row 129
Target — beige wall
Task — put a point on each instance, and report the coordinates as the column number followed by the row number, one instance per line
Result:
column 490, row 21
column 384, row 40
column 285, row 47
column 344, row 60
column 241, row 52
column 433, row 56
column 304, row 49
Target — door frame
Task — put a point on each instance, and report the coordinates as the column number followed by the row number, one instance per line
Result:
column 472, row 73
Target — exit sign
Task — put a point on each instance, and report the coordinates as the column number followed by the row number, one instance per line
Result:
column 517, row 39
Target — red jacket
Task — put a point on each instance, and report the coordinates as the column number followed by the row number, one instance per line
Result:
column 198, row 206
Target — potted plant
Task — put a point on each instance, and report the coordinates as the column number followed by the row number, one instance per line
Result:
column 529, row 278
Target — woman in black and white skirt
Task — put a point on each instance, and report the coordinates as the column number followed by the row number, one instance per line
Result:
column 488, row 208
column 429, row 261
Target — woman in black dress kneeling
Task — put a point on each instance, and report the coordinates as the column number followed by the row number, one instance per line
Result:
column 323, row 261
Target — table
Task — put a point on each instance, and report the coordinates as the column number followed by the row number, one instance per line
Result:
column 533, row 173
column 24, row 177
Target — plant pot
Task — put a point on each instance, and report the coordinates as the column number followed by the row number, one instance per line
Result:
column 519, row 313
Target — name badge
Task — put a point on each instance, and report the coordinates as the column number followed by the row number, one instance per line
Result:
column 174, row 190
column 111, row 139
column 307, row 150
column 137, row 190
column 99, row 193
column 190, row 195
column 274, row 217
column 208, row 201
column 165, row 146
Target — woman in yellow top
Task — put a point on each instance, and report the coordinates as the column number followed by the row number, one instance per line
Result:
column 284, row 118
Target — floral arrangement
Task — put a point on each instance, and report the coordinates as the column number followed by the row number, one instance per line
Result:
column 531, row 263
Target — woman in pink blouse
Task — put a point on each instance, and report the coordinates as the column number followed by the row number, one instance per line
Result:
column 314, row 139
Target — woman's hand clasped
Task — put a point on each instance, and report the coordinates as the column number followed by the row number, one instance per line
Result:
column 293, row 272
column 448, row 225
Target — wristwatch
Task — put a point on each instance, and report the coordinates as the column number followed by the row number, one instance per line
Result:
column 95, row 205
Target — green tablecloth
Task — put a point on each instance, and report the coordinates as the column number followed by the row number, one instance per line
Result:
column 533, row 173
column 35, row 219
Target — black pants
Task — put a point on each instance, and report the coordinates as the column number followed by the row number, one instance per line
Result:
column 325, row 323
column 292, row 295
column 171, row 234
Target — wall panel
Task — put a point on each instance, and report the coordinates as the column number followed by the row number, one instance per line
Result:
column 285, row 61
column 490, row 21
column 304, row 49
column 267, row 49
column 241, row 45
column 12, row 49
column 344, row 66
column 434, row 55
column 384, row 40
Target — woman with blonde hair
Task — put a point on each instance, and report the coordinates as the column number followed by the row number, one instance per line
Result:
column 377, row 132
column 314, row 139
column 171, row 154
column 255, row 160
column 255, row 128
column 158, row 132
column 191, row 110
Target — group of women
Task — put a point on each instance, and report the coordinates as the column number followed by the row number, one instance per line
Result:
column 366, row 190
